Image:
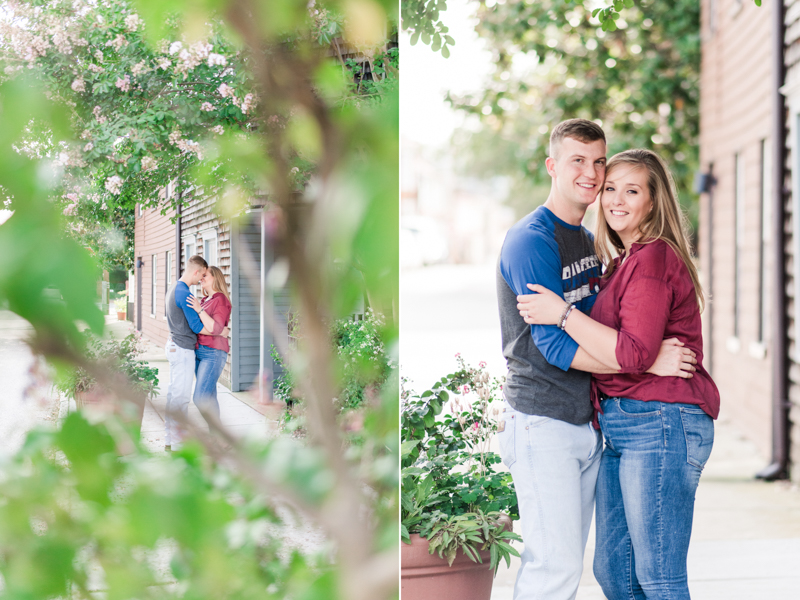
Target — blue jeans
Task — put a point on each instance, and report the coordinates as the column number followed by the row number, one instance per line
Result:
column 554, row 466
column 208, row 366
column 651, row 465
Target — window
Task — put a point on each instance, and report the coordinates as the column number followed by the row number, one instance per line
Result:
column 210, row 246
column 153, row 286
column 765, row 248
column 189, row 250
column 738, row 244
column 168, row 266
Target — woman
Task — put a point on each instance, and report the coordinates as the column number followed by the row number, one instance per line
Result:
column 211, row 351
column 658, row 430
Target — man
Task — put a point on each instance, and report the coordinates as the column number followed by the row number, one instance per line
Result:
column 184, row 325
column 547, row 438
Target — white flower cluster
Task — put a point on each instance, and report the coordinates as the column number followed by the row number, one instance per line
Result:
column 176, row 138
column 216, row 59
column 164, row 64
column 133, row 22
column 79, row 85
column 189, row 58
column 114, row 184
column 118, row 42
column 98, row 55
column 139, row 68
column 95, row 68
column 88, row 147
column 148, row 163
column 124, row 84
column 218, row 129
column 207, row 106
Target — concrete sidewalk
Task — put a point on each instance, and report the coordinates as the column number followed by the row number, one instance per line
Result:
column 746, row 535
column 239, row 412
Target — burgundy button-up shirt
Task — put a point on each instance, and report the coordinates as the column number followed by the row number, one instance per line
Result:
column 218, row 307
column 649, row 298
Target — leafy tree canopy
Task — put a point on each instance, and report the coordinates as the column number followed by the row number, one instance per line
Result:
column 154, row 104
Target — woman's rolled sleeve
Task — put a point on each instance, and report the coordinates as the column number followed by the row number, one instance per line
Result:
column 644, row 312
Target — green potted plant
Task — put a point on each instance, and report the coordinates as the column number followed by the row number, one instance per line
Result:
column 119, row 356
column 121, row 304
column 457, row 506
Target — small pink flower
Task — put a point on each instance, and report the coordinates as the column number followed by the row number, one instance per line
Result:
column 465, row 389
column 482, row 364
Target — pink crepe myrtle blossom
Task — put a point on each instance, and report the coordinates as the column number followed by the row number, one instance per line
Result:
column 225, row 90
column 124, row 84
column 70, row 210
column 79, row 85
column 218, row 129
column 207, row 107
column 248, row 103
column 148, row 163
column 175, row 47
column 482, row 364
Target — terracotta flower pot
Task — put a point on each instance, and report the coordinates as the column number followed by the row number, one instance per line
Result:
column 120, row 315
column 425, row 576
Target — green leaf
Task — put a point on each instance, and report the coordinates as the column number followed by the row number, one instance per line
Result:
column 445, row 51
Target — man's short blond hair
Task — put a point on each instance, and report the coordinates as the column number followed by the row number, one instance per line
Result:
column 583, row 130
column 197, row 261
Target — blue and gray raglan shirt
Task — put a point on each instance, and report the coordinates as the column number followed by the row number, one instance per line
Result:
column 184, row 322
column 543, row 249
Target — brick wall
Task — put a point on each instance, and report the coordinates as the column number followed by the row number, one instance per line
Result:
column 734, row 119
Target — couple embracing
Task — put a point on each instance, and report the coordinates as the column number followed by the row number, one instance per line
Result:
column 197, row 346
column 609, row 344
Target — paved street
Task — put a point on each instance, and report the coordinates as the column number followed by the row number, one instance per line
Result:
column 746, row 536
column 19, row 414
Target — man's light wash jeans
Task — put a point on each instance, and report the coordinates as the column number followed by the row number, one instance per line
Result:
column 179, row 392
column 554, row 465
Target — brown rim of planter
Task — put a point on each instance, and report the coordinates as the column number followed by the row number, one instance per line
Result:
column 425, row 576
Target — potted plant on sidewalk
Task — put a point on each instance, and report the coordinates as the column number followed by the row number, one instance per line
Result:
column 119, row 356
column 121, row 304
column 457, row 507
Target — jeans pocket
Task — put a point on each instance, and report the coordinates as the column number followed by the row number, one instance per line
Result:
column 506, row 438
column 698, row 428
column 638, row 408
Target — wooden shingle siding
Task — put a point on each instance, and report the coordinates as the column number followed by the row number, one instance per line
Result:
column 735, row 116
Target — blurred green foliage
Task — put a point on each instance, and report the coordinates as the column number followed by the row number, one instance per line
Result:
column 77, row 519
column 75, row 515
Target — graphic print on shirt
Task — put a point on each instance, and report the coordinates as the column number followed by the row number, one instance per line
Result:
column 580, row 272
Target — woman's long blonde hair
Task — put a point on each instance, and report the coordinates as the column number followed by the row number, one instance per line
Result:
column 665, row 221
column 219, row 282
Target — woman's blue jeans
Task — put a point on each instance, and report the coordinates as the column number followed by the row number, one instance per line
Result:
column 651, row 465
column 208, row 365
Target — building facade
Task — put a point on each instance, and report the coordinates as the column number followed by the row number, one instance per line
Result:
column 749, row 221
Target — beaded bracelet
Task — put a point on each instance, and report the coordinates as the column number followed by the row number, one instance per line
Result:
column 563, row 323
